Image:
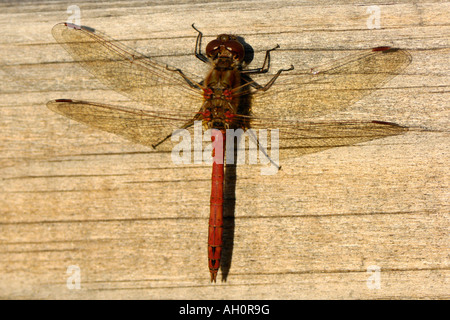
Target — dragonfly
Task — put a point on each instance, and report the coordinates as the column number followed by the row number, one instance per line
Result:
column 227, row 99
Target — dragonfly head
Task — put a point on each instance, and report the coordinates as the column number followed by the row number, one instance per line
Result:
column 225, row 51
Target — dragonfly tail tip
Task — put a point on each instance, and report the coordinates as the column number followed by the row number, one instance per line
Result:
column 213, row 276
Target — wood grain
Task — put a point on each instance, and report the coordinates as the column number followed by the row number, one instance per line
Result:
column 136, row 224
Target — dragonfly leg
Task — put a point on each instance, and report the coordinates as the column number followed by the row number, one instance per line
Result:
column 198, row 46
column 261, row 148
column 266, row 64
column 271, row 82
column 190, row 82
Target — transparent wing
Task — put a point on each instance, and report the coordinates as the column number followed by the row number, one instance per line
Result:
column 143, row 127
column 329, row 88
column 173, row 102
column 297, row 138
column 127, row 71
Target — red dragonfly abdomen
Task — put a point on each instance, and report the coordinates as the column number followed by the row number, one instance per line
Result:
column 215, row 229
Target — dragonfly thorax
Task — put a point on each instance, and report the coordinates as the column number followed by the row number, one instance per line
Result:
column 214, row 94
column 221, row 96
column 218, row 114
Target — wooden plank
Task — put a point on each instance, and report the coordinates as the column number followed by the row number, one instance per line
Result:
column 135, row 224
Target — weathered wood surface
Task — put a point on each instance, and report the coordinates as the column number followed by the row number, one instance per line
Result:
column 136, row 224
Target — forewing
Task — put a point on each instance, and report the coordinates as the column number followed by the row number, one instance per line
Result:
column 128, row 71
column 329, row 88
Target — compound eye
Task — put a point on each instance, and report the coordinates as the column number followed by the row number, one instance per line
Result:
column 236, row 48
column 212, row 48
